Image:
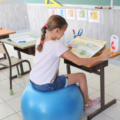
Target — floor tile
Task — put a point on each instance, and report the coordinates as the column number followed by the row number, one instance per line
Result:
column 5, row 110
column 117, row 68
column 1, row 100
column 3, row 76
column 15, row 103
column 113, row 90
column 95, row 83
column 24, row 84
column 110, row 67
column 98, row 117
column 20, row 114
column 7, row 71
column 13, row 117
column 6, row 84
column 113, row 111
column 97, row 94
column 112, row 75
column 84, row 115
column 23, row 79
column 91, row 90
column 101, row 117
column 118, row 82
column 4, row 94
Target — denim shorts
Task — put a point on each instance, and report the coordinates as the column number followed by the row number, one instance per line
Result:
column 61, row 81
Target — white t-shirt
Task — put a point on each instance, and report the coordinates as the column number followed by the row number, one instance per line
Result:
column 46, row 63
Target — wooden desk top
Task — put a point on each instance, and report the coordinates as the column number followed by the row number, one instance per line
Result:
column 6, row 32
column 21, row 45
column 108, row 51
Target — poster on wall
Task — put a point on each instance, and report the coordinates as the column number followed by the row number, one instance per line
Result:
column 94, row 16
column 61, row 12
column 52, row 12
column 82, row 14
column 70, row 14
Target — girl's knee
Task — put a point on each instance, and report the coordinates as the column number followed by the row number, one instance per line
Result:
column 82, row 77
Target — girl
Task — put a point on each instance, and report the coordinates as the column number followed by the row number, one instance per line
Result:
column 46, row 62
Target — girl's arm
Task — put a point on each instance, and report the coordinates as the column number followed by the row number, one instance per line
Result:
column 84, row 61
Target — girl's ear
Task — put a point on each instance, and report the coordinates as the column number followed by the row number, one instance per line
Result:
column 57, row 30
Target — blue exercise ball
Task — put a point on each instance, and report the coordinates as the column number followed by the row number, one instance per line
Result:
column 63, row 104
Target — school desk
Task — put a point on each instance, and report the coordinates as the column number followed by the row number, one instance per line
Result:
column 97, row 68
column 5, row 34
column 28, row 48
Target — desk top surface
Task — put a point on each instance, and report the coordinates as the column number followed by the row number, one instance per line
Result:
column 21, row 45
column 6, row 32
column 108, row 51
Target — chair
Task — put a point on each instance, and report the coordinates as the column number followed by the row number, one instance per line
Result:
column 9, row 62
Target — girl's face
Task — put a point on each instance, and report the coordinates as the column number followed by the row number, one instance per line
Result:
column 60, row 32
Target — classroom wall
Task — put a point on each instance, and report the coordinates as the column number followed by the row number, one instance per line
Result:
column 80, row 2
column 109, row 25
column 14, row 15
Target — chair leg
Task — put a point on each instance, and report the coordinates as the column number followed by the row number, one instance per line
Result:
column 19, row 75
column 11, row 91
column 29, row 65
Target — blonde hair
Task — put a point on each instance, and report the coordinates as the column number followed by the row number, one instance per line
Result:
column 55, row 21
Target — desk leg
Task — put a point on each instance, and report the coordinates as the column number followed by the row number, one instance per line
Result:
column 3, row 37
column 21, row 66
column 68, row 69
column 102, row 86
column 102, row 90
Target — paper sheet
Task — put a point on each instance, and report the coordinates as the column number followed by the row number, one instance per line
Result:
column 82, row 14
column 61, row 12
column 70, row 14
column 94, row 16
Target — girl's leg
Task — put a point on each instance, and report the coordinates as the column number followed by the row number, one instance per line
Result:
column 81, row 79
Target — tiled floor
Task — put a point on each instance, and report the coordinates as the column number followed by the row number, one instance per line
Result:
column 10, row 104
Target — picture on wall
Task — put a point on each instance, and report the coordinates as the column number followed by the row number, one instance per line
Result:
column 52, row 12
column 82, row 14
column 70, row 14
column 94, row 16
column 61, row 12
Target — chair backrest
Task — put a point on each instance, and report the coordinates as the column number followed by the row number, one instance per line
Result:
column 2, row 49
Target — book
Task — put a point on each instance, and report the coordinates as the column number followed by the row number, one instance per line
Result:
column 23, row 39
column 84, row 48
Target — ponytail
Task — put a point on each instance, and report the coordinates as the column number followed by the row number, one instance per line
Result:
column 55, row 21
column 40, row 46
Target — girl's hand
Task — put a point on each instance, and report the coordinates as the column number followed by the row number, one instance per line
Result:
column 69, row 47
column 106, row 56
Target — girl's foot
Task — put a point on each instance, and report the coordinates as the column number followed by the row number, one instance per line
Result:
column 92, row 105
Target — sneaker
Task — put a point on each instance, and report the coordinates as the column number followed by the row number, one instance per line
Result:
column 93, row 104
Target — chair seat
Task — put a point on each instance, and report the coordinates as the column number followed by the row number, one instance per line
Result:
column 13, row 61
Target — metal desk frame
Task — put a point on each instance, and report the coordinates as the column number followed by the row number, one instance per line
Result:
column 94, row 69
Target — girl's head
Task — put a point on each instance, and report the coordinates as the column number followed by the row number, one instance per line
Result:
column 55, row 26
